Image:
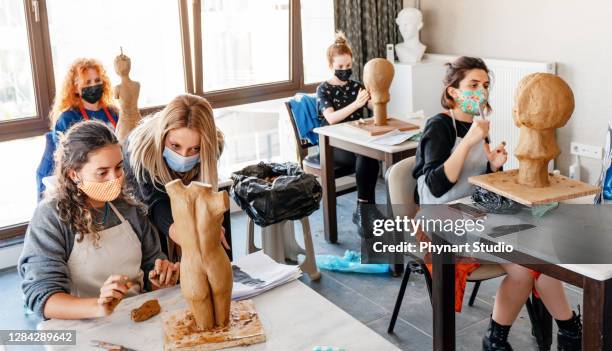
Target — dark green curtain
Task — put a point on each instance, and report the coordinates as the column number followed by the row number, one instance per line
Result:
column 369, row 25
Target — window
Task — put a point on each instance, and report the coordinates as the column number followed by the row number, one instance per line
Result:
column 243, row 55
column 17, row 98
column 317, row 35
column 147, row 30
column 244, row 42
column 251, row 135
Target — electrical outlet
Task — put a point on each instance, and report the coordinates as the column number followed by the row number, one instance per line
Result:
column 584, row 150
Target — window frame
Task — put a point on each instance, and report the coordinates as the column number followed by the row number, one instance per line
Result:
column 41, row 61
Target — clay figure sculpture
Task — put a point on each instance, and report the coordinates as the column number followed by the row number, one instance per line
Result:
column 206, row 271
column 377, row 76
column 410, row 21
column 543, row 103
column 147, row 310
column 127, row 93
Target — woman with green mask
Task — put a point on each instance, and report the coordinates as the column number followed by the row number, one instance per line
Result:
column 455, row 146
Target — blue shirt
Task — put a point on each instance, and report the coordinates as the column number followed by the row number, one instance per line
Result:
column 73, row 116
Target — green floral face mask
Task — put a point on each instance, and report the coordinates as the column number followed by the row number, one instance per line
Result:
column 470, row 101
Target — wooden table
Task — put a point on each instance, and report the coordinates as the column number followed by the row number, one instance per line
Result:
column 349, row 138
column 532, row 249
column 294, row 316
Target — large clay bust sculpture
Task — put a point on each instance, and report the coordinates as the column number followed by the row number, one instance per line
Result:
column 206, row 272
column 377, row 76
column 544, row 102
column 127, row 93
column 410, row 22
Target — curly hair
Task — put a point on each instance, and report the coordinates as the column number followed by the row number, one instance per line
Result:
column 72, row 154
column 69, row 97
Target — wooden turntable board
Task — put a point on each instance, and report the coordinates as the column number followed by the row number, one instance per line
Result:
column 506, row 184
column 367, row 126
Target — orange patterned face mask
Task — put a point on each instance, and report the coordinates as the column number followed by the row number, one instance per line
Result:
column 102, row 191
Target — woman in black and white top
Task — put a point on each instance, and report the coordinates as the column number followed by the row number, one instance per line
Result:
column 341, row 99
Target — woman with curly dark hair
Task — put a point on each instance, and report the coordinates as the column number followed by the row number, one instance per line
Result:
column 89, row 243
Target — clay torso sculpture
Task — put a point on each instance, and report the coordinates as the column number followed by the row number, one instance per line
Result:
column 127, row 93
column 544, row 102
column 410, row 22
column 206, row 272
column 377, row 76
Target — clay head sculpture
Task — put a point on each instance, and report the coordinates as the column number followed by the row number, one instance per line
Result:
column 377, row 76
column 544, row 102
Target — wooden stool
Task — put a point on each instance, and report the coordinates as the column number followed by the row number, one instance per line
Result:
column 278, row 241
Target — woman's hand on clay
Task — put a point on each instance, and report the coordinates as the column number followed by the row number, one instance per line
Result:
column 362, row 98
column 223, row 240
column 164, row 274
column 478, row 131
column 498, row 156
column 112, row 292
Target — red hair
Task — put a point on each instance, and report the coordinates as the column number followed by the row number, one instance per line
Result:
column 68, row 96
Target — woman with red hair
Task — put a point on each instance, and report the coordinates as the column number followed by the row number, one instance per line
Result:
column 86, row 93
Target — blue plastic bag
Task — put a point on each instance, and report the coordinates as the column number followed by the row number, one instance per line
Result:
column 351, row 262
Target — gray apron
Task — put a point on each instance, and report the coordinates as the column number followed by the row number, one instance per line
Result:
column 475, row 164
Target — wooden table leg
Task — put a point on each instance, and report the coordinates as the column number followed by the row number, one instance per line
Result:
column 597, row 301
column 328, row 178
column 443, row 298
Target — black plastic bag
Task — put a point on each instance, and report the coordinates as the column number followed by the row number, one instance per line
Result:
column 274, row 192
column 491, row 202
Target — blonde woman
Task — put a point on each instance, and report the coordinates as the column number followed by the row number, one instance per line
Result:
column 179, row 142
column 86, row 93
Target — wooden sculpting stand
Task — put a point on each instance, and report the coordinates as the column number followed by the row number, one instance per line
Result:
column 369, row 126
column 127, row 93
column 506, row 184
column 544, row 102
column 206, row 273
column 377, row 77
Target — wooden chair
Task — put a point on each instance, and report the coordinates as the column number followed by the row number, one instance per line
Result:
column 311, row 163
column 400, row 191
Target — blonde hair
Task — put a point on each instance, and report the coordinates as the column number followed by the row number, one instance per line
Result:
column 69, row 97
column 146, row 141
column 339, row 47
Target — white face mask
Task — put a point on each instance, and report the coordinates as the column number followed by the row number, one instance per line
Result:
column 180, row 163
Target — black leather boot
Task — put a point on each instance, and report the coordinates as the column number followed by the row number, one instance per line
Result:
column 364, row 217
column 496, row 338
column 569, row 336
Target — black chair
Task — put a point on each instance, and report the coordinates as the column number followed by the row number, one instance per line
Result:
column 311, row 164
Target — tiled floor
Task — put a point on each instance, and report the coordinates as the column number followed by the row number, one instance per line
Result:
column 368, row 298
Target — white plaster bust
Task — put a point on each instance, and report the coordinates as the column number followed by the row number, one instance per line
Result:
column 410, row 22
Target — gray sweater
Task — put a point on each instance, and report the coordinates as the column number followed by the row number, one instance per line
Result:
column 43, row 264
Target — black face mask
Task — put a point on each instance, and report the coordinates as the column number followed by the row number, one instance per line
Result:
column 343, row 74
column 92, row 94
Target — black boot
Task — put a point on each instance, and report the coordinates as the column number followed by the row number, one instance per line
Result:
column 569, row 336
column 496, row 338
column 364, row 217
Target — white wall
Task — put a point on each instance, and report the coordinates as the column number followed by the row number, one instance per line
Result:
column 575, row 34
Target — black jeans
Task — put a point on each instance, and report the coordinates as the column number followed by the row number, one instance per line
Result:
column 366, row 172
